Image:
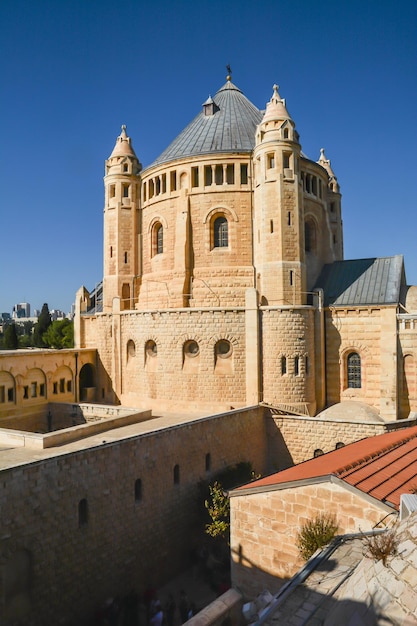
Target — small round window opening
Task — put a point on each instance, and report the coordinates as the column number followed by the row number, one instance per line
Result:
column 223, row 349
column 151, row 348
column 191, row 349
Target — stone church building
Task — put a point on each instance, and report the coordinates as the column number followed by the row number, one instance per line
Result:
column 227, row 328
column 224, row 280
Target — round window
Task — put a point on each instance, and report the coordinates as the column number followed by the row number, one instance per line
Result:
column 191, row 348
column 151, row 348
column 223, row 348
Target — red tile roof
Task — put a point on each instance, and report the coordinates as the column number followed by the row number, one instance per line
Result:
column 384, row 466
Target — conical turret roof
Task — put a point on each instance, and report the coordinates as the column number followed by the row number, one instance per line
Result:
column 276, row 108
column 123, row 145
column 227, row 123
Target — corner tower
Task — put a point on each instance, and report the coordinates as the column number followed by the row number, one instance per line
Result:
column 278, row 223
column 121, row 224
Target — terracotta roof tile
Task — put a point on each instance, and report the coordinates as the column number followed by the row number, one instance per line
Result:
column 384, row 466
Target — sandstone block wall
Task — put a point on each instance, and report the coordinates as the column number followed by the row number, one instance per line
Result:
column 371, row 332
column 288, row 334
column 170, row 377
column 30, row 379
column 292, row 440
column 129, row 533
column 264, row 529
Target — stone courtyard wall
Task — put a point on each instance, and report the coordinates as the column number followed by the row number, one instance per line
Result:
column 126, row 533
column 293, row 439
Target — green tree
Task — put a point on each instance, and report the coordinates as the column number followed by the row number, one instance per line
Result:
column 44, row 321
column 218, row 508
column 11, row 341
column 60, row 334
column 25, row 334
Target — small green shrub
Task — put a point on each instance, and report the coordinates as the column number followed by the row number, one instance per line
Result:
column 316, row 533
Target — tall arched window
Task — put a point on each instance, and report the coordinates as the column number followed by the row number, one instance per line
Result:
column 220, row 232
column 310, row 236
column 354, row 370
column 159, row 239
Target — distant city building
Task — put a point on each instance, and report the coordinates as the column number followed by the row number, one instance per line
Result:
column 21, row 310
column 56, row 314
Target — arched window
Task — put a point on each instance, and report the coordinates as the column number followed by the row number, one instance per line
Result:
column 283, row 365
column 220, row 233
column 310, row 236
column 131, row 349
column 354, row 370
column 297, row 365
column 159, row 239
column 318, row 452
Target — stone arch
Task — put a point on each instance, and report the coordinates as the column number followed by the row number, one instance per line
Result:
column 87, row 383
column 33, row 385
column 408, row 385
column 7, row 388
column 155, row 220
column 364, row 354
column 130, row 351
column 223, row 347
column 150, row 353
column 183, row 180
column 227, row 211
column 311, row 231
column 62, row 382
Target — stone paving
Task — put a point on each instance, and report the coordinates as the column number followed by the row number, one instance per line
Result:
column 351, row 588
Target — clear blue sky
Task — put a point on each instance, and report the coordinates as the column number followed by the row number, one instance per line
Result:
column 73, row 71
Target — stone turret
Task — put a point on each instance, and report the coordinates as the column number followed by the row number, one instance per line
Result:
column 121, row 224
column 278, row 236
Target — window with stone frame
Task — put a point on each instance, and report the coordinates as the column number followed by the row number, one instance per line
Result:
column 220, row 232
column 354, row 374
column 157, row 239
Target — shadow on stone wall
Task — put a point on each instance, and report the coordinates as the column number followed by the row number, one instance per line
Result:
column 293, row 599
column 278, row 455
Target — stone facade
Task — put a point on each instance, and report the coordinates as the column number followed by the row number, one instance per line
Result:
column 211, row 291
column 266, row 524
column 31, row 379
column 86, row 521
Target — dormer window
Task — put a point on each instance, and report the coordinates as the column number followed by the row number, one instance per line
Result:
column 210, row 107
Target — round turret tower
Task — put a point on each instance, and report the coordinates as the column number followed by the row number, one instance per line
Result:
column 121, row 224
column 278, row 219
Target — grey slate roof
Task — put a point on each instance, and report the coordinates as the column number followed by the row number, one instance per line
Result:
column 362, row 281
column 230, row 129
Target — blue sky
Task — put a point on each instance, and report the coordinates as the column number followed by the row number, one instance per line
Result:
column 72, row 72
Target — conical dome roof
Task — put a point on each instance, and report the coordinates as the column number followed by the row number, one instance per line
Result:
column 227, row 123
column 123, row 146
